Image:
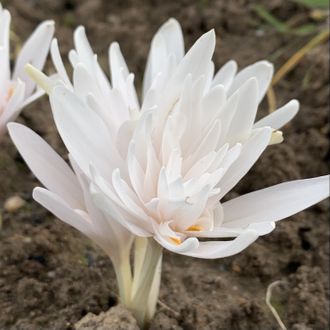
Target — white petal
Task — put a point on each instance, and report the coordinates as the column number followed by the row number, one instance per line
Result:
column 83, row 48
column 197, row 60
column 85, row 54
column 50, row 169
column 174, row 165
column 251, row 150
column 121, row 79
column 201, row 166
column 135, row 171
column 191, row 209
column 189, row 244
column 222, row 249
column 34, row 52
column 262, row 71
column 172, row 33
column 231, row 156
column 212, row 103
column 225, row 75
column 243, row 119
column 280, row 117
column 130, row 200
column 151, row 172
column 62, row 210
column 58, row 63
column 112, row 236
column 78, row 125
column 261, row 228
column 34, row 96
column 276, row 202
column 123, row 217
column 4, row 47
column 204, row 146
column 73, row 57
column 226, row 115
column 5, row 19
column 172, row 38
column 13, row 107
column 118, row 66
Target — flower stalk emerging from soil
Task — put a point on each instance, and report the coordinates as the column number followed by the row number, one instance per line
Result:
column 17, row 89
column 154, row 172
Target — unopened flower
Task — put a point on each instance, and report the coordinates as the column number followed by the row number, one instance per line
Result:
column 17, row 89
column 161, row 167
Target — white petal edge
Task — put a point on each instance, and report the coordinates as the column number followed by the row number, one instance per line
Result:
column 50, row 169
column 222, row 249
column 251, row 151
column 280, row 117
column 276, row 202
column 56, row 205
column 225, row 75
column 262, row 71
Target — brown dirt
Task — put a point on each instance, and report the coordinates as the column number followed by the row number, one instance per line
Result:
column 51, row 276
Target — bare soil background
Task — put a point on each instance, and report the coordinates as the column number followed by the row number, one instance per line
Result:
column 51, row 276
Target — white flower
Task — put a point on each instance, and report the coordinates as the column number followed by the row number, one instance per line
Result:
column 17, row 89
column 163, row 166
column 160, row 168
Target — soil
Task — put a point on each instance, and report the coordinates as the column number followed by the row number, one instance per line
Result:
column 51, row 276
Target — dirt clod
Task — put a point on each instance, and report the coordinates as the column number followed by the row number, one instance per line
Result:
column 117, row 318
column 12, row 204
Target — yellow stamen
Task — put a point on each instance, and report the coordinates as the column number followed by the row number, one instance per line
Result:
column 195, row 228
column 175, row 240
column 39, row 77
column 277, row 137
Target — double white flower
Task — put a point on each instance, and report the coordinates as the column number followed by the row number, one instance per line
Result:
column 159, row 169
column 17, row 89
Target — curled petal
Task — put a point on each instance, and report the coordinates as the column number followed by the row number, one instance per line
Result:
column 222, row 249
column 188, row 245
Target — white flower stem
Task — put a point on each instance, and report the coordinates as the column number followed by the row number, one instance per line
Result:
column 154, row 290
column 140, row 293
column 146, row 280
column 140, row 247
column 123, row 272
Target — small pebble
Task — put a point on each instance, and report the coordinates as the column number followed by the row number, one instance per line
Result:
column 27, row 239
column 236, row 268
column 260, row 33
column 51, row 274
column 12, row 204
